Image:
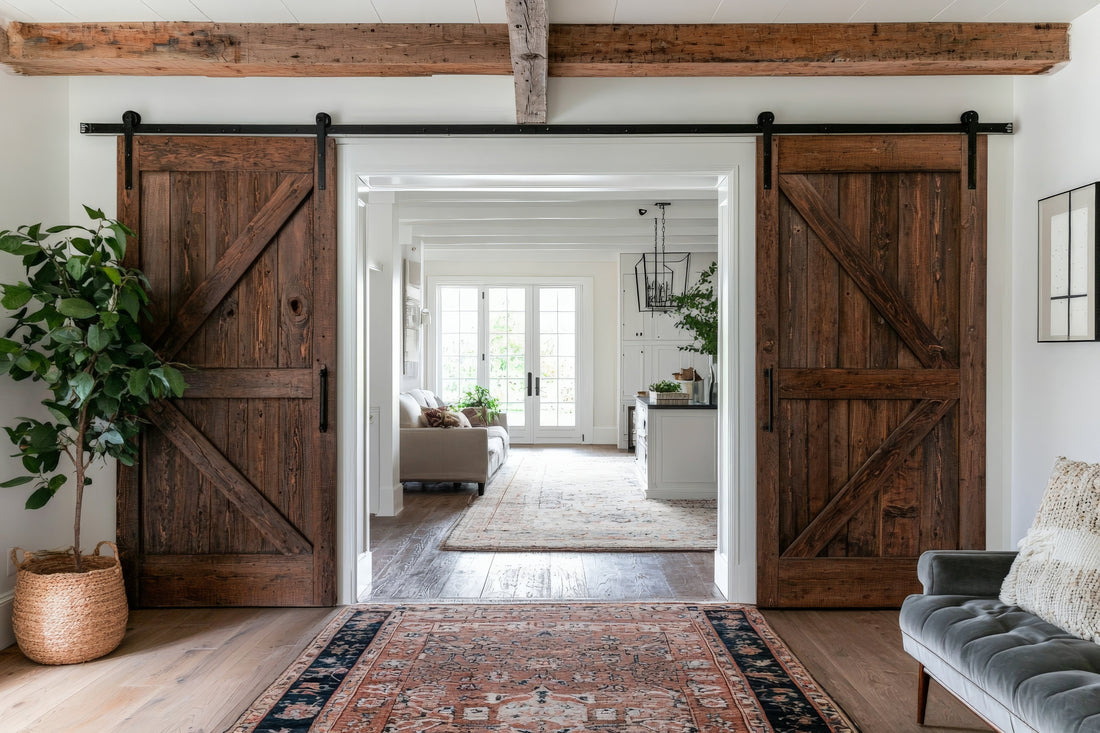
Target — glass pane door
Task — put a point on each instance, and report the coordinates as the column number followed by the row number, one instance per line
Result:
column 557, row 365
column 458, row 348
column 507, row 318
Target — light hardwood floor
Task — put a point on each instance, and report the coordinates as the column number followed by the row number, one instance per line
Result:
column 196, row 670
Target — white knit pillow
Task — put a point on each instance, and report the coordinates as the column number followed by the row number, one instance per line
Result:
column 1056, row 576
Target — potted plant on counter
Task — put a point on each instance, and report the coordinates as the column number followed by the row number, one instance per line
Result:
column 75, row 328
column 667, row 391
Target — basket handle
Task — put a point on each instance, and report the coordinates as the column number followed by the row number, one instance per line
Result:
column 15, row 561
column 112, row 545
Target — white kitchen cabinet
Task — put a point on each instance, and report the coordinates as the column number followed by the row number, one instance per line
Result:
column 676, row 450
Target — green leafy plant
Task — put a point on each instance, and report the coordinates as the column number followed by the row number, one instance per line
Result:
column 665, row 385
column 479, row 397
column 697, row 313
column 76, row 328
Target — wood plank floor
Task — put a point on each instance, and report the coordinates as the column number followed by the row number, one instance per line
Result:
column 409, row 566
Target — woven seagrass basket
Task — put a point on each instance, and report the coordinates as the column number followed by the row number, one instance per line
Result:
column 60, row 616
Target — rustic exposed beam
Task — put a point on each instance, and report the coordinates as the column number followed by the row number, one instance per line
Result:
column 807, row 49
column 395, row 49
column 528, row 31
column 257, row 49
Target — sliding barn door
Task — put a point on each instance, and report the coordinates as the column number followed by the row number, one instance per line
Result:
column 233, row 501
column 871, row 364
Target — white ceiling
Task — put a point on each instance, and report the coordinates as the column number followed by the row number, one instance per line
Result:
column 452, row 222
column 561, row 11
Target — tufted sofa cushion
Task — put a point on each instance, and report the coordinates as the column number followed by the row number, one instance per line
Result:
column 1035, row 672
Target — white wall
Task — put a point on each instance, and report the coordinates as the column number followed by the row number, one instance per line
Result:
column 1055, row 387
column 605, row 307
column 34, row 188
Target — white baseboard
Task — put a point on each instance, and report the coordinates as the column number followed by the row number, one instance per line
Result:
column 363, row 576
column 7, row 637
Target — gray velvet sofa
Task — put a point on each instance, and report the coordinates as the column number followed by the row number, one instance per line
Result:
column 459, row 455
column 1015, row 670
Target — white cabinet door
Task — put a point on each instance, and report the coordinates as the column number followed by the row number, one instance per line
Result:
column 633, row 371
column 634, row 322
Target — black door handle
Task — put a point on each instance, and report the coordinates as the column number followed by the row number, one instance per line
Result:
column 528, row 384
column 770, row 381
column 537, row 386
column 323, row 423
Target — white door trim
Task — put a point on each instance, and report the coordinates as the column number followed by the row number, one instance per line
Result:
column 732, row 159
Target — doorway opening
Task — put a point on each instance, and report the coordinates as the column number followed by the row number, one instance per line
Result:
column 381, row 173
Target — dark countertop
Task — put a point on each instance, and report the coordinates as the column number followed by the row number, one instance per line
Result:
column 676, row 405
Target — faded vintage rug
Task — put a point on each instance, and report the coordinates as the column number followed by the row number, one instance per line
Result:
column 545, row 668
column 579, row 500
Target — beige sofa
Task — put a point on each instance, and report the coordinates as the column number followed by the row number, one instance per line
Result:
column 459, row 455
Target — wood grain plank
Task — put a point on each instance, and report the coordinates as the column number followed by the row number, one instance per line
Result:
column 204, row 297
column 247, row 383
column 905, row 320
column 227, row 580
column 528, row 34
column 872, row 153
column 238, row 489
column 972, row 359
column 850, row 582
column 868, row 384
column 865, row 482
column 767, row 358
column 319, row 470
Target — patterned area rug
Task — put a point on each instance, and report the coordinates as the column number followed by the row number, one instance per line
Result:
column 579, row 500
column 545, row 669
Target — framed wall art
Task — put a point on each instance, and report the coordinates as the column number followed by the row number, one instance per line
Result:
column 1068, row 296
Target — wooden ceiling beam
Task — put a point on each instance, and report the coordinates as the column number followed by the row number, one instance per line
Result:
column 397, row 49
column 257, row 49
column 528, row 31
column 807, row 49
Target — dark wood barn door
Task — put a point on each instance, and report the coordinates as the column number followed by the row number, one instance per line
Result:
column 871, row 359
column 233, row 501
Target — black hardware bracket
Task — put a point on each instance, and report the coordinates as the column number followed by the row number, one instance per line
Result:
column 765, row 125
column 323, row 123
column 130, row 120
column 766, row 121
column 322, row 422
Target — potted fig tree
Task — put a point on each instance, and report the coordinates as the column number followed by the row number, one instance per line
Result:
column 76, row 329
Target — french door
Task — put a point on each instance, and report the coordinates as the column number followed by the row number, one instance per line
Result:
column 523, row 343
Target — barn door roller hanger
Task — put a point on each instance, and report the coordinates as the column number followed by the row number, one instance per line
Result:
column 765, row 125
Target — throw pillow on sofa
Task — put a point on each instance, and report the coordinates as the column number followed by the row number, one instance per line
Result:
column 476, row 416
column 441, row 417
column 1056, row 575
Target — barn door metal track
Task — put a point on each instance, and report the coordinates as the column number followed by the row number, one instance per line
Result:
column 765, row 125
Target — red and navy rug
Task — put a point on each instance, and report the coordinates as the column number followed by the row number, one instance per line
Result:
column 545, row 668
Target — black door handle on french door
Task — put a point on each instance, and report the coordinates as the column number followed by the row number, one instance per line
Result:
column 528, row 384
column 537, row 380
column 770, row 382
column 323, row 423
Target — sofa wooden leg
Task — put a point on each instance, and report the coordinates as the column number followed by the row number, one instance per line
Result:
column 922, row 692
column 481, row 489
